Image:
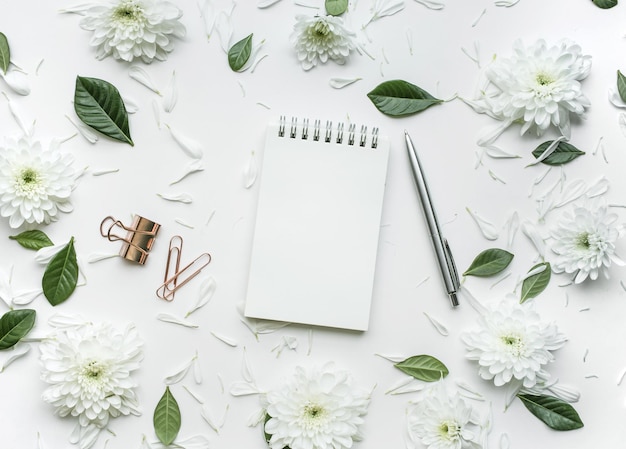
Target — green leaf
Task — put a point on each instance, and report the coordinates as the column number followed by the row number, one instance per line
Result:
column 535, row 284
column 5, row 53
column 621, row 85
column 604, row 4
column 336, row 7
column 166, row 418
column 61, row 275
column 33, row 239
column 423, row 367
column 99, row 105
column 14, row 325
column 489, row 262
column 556, row 413
column 563, row 154
column 239, row 53
column 399, row 98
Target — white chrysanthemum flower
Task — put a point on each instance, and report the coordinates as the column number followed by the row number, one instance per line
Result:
column 585, row 241
column 35, row 183
column 538, row 86
column 89, row 370
column 320, row 409
column 443, row 420
column 320, row 38
column 512, row 344
column 129, row 29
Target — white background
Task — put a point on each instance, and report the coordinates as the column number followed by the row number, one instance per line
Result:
column 227, row 112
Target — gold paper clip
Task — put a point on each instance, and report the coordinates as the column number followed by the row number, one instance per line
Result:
column 138, row 240
column 171, row 283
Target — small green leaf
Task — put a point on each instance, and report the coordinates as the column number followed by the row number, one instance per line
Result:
column 489, row 262
column 99, row 105
column 239, row 53
column 14, row 325
column 336, row 7
column 556, row 413
column 563, row 153
column 535, row 284
column 399, row 98
column 167, row 418
column 33, row 239
column 621, row 85
column 423, row 367
column 5, row 53
column 604, row 4
column 61, row 275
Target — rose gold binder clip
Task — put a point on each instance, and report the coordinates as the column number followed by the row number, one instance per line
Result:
column 139, row 237
column 172, row 282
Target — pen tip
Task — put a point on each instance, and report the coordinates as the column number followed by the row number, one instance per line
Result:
column 453, row 299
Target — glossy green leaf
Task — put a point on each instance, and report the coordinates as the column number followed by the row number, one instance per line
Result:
column 336, row 7
column 99, row 105
column 621, row 85
column 604, row 4
column 399, row 98
column 489, row 262
column 15, row 325
column 423, row 367
column 61, row 275
column 239, row 53
column 556, row 413
column 33, row 239
column 167, row 419
column 563, row 153
column 535, row 284
column 5, row 53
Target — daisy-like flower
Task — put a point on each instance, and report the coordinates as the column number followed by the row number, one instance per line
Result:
column 89, row 370
column 443, row 420
column 512, row 344
column 320, row 409
column 320, row 38
column 35, row 183
column 130, row 29
column 584, row 241
column 538, row 86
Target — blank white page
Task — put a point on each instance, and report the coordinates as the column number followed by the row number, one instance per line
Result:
column 317, row 227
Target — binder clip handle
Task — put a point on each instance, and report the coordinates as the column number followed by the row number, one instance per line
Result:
column 138, row 240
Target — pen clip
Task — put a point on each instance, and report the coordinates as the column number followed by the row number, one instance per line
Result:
column 454, row 275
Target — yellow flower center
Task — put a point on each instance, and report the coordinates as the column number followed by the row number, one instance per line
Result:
column 582, row 240
column 321, row 29
column 128, row 13
column 449, row 430
column 514, row 344
column 543, row 79
column 313, row 416
column 28, row 182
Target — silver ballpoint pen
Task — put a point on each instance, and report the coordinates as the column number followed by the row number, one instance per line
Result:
column 440, row 244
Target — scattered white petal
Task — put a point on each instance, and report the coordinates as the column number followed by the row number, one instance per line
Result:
column 244, row 389
column 97, row 257
column 156, row 110
column 250, row 172
column 572, row 192
column 256, row 62
column 257, row 417
column 600, row 187
column 167, row 318
column 305, row 4
column 469, row 391
column 384, row 8
column 286, row 342
column 533, row 234
column 140, row 75
column 246, row 370
column 504, row 438
column 310, row 340
column 104, row 171
column 180, row 374
column 268, row 327
column 16, row 352
column 182, row 222
column 506, row 3
column 263, row 105
column 17, row 81
column 206, row 415
column 443, row 330
column 17, row 116
column 266, row 3
column 340, row 83
column 487, row 229
column 496, row 177
column 400, row 384
column 592, row 376
column 192, row 167
column 475, row 303
column 84, row 131
column 171, row 94
column 511, row 225
column 191, row 147
column 392, row 358
column 564, row 392
column 498, row 153
column 221, row 383
column 621, row 377
column 412, row 387
column 24, row 297
column 229, row 341
column 44, row 255
column 178, row 197
column 211, row 215
column 224, row 29
column 207, row 12
column 253, row 59
column 194, row 442
column 130, row 105
column 615, row 99
column 585, row 355
column 76, row 9
column 475, row 22
column 431, row 4
column 548, row 151
column 584, row 309
column 622, row 122
column 67, row 321
column 409, row 40
column 207, row 289
column 194, row 395
column 197, row 371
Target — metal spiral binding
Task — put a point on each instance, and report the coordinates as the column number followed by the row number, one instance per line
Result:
column 328, row 132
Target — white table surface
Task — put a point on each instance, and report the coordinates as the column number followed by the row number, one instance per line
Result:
column 227, row 112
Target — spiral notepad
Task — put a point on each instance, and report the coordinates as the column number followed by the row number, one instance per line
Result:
column 317, row 224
